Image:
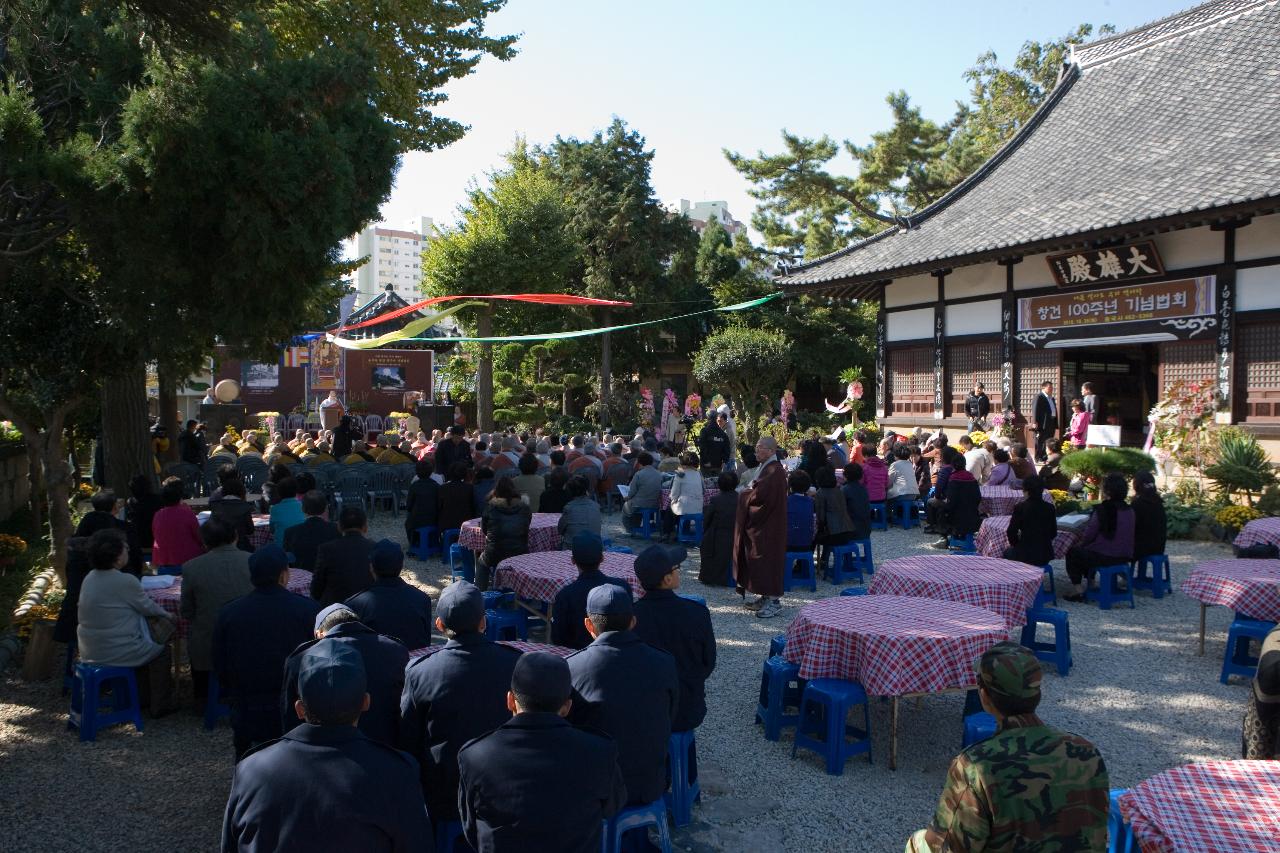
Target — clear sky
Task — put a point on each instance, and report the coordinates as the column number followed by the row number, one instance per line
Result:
column 697, row 76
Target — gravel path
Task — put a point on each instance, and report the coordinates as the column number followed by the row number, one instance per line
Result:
column 1138, row 690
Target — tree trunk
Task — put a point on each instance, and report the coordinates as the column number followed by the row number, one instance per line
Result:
column 606, row 370
column 168, row 384
column 126, row 444
column 35, row 478
column 58, row 487
column 564, row 401
column 484, row 376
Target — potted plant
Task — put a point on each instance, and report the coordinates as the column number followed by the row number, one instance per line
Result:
column 1233, row 518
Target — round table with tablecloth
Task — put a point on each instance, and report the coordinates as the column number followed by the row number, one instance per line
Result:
column 1249, row 587
column 893, row 645
column 1000, row 500
column 543, row 535
column 993, row 538
column 1004, row 587
column 1260, row 531
column 521, row 645
column 1207, row 808
column 170, row 598
column 538, row 577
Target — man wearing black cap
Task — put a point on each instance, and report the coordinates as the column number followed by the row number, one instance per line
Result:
column 342, row 566
column 251, row 640
column 384, row 663
column 391, row 606
column 454, row 695
column 627, row 689
column 324, row 785
column 570, row 607
column 536, row 782
column 678, row 626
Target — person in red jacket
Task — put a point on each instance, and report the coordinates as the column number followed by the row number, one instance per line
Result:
column 176, row 531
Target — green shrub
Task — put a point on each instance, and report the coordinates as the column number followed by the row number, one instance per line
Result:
column 1241, row 464
column 1181, row 517
column 1097, row 462
column 1269, row 503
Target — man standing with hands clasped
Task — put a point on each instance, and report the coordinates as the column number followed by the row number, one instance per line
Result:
column 977, row 406
column 760, row 540
column 1044, row 418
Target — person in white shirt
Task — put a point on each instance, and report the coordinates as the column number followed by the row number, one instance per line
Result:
column 686, row 491
column 976, row 460
column 731, row 430
column 902, row 475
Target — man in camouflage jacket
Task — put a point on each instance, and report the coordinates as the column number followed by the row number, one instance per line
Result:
column 1029, row 786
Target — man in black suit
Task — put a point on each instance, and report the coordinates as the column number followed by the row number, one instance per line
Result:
column 627, row 689
column 384, row 659
column 977, row 406
column 1044, row 418
column 343, row 565
column 453, row 448
column 454, row 695
column 536, row 782
column 304, row 540
column 569, row 610
column 251, row 641
column 678, row 626
column 391, row 606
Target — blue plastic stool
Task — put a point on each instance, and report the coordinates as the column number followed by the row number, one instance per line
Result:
column 1237, row 660
column 1161, row 580
column 823, row 726
column 977, row 727
column 902, row 513
column 1119, row 833
column 506, row 625
column 87, row 715
column 618, row 549
column 447, row 540
column 447, row 835
column 214, row 707
column 169, row 570
column 854, row 590
column 462, row 564
column 1107, row 594
column 962, row 544
column 849, row 560
column 879, row 516
column 638, row 817
column 495, row 599
column 780, row 688
column 777, row 644
column 696, row 598
column 808, row 570
column 1059, row 651
column 648, row 524
column 1053, row 587
column 683, row 534
column 682, row 750
column 423, row 548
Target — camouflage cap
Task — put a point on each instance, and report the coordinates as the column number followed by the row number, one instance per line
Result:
column 1010, row 670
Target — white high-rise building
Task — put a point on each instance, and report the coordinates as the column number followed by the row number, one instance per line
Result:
column 701, row 212
column 395, row 259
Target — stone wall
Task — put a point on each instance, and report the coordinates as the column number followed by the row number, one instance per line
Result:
column 15, row 489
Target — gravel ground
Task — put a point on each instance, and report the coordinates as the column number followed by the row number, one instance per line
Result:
column 1138, row 690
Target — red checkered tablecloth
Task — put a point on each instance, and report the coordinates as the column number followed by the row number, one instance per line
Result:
column 538, row 577
column 1000, row 500
column 892, row 644
column 1213, row 807
column 1004, row 587
column 170, row 598
column 993, row 538
column 543, row 535
column 1260, row 531
column 709, row 490
column 522, row 645
column 1250, row 587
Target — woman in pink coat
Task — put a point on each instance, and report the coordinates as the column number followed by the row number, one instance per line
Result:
column 1079, row 423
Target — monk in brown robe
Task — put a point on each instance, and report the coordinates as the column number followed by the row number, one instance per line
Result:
column 760, row 540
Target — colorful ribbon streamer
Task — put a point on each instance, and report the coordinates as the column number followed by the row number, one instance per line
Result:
column 407, row 333
column 536, row 298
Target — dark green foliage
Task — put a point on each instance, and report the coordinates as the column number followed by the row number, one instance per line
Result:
column 1097, row 462
column 1240, row 464
column 748, row 364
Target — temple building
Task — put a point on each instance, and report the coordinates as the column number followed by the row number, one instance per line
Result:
column 1128, row 235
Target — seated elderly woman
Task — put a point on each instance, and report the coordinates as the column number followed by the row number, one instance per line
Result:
column 226, row 447
column 113, row 629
